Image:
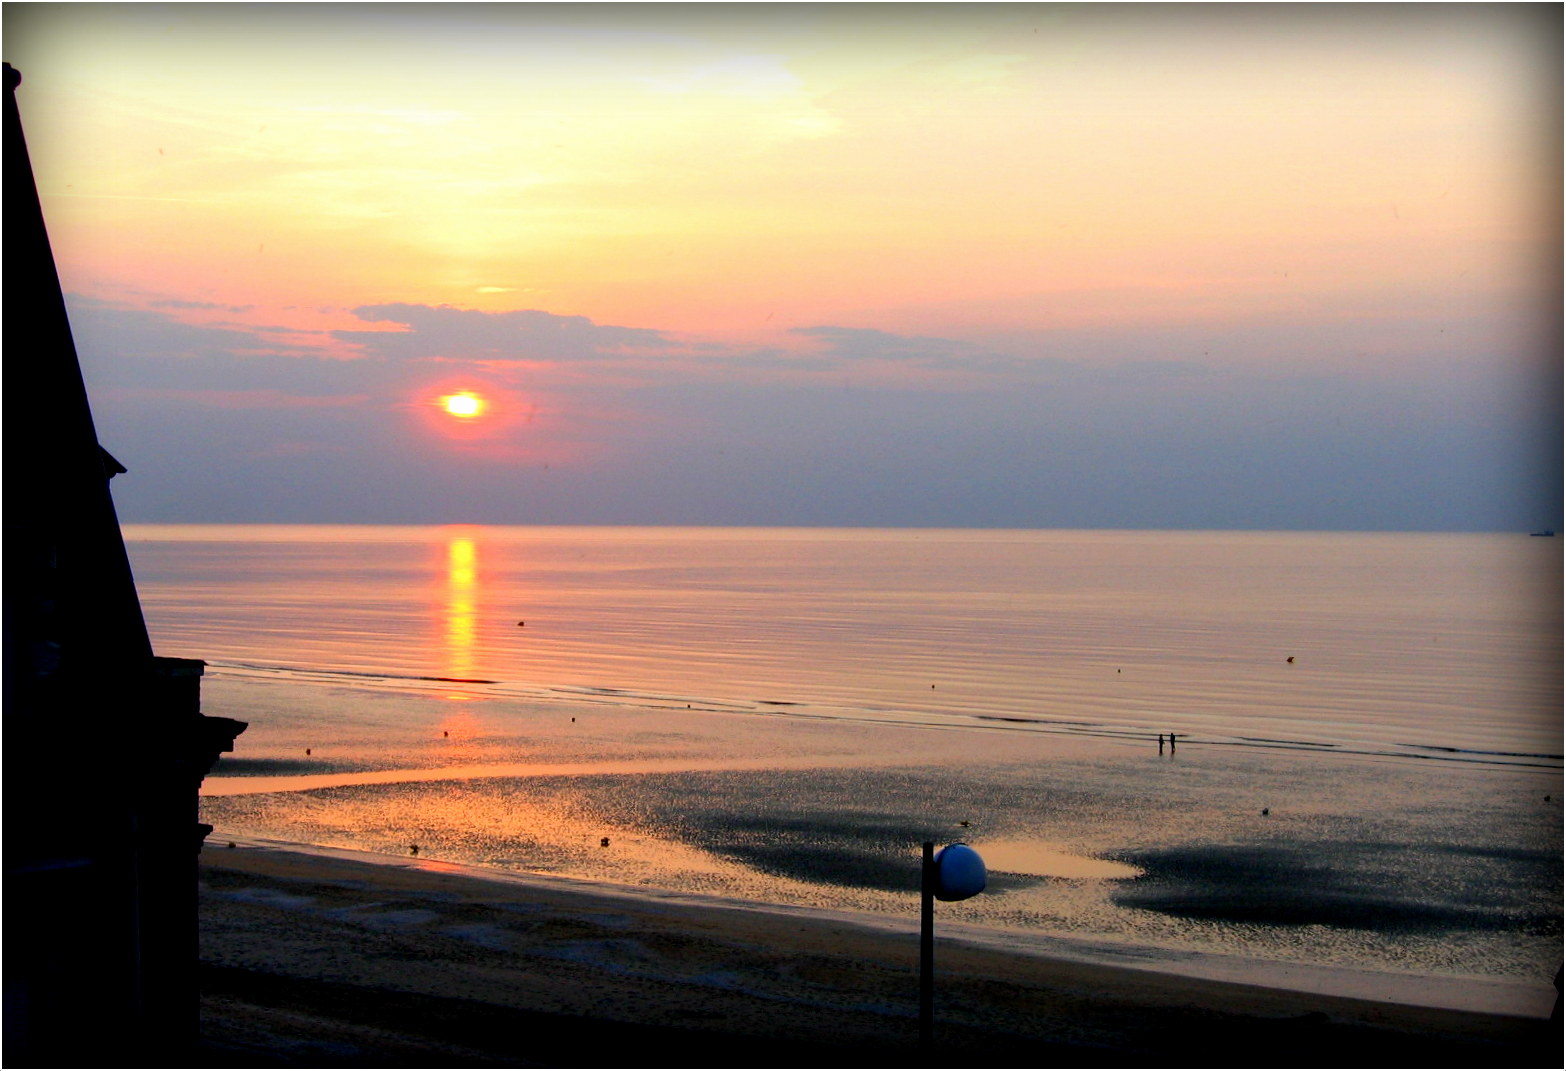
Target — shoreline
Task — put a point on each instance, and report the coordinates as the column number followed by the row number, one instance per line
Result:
column 392, row 931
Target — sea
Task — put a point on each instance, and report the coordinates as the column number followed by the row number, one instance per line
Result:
column 1339, row 749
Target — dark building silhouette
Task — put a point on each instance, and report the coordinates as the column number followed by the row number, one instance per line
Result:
column 105, row 745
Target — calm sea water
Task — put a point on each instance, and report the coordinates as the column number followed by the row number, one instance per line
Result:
column 778, row 714
column 1438, row 645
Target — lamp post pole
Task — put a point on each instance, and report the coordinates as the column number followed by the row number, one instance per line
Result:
column 955, row 874
column 927, row 946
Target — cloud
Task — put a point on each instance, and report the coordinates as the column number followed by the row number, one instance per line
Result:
column 549, row 345
column 244, row 399
column 861, row 343
column 533, row 337
column 171, row 303
column 122, row 347
column 860, row 346
column 442, row 331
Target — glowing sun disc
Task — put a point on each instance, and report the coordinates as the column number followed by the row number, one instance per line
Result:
column 463, row 404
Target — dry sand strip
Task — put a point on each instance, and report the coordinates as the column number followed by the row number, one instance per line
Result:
column 312, row 960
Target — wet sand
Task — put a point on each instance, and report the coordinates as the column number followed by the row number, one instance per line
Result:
column 348, row 959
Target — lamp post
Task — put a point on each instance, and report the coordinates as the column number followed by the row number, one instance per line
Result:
column 954, row 873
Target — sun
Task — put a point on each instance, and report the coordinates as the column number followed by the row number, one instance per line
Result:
column 464, row 404
column 467, row 412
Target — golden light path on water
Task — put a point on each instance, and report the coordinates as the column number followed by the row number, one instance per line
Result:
column 461, row 618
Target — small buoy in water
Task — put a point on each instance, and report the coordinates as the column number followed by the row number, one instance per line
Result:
column 1289, row 659
column 573, row 719
column 521, row 623
column 604, row 843
column 445, row 732
column 307, row 751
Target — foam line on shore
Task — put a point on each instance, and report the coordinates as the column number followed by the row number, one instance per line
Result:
column 952, row 719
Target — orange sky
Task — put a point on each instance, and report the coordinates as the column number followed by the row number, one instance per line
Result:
column 1363, row 191
column 721, row 171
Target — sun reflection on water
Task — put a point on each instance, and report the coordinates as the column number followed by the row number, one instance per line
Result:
column 461, row 613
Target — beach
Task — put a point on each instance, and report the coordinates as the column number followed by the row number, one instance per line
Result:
column 667, row 791
column 340, row 959
column 1387, row 864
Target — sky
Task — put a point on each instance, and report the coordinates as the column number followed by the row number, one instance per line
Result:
column 1016, row 265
